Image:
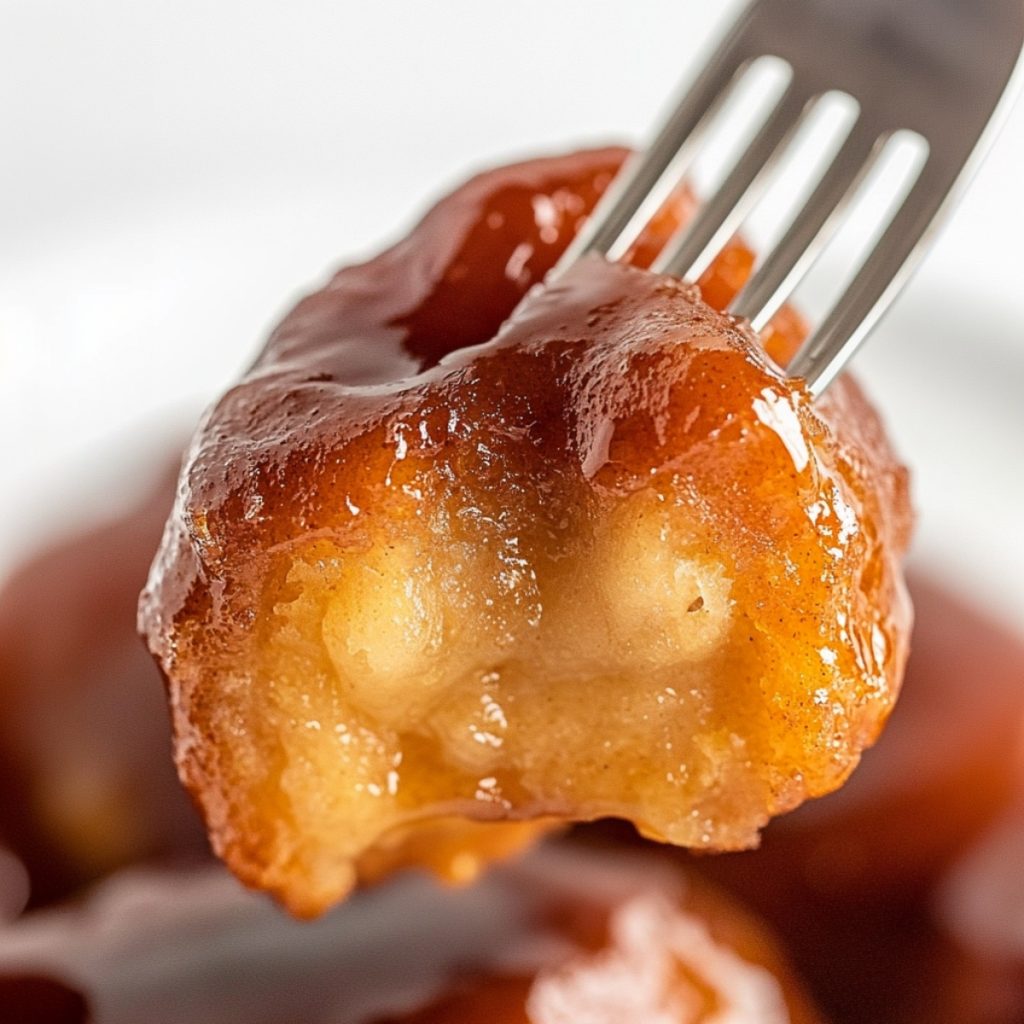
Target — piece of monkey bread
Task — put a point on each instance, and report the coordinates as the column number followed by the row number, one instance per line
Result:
column 435, row 580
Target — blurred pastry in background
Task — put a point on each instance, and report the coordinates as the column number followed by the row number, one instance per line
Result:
column 87, row 783
column 979, row 907
column 564, row 935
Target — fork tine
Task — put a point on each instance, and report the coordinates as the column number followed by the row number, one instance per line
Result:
column 698, row 242
column 877, row 282
column 941, row 69
column 784, row 266
column 648, row 177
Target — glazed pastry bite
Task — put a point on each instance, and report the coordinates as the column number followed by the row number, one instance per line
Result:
column 564, row 936
column 608, row 562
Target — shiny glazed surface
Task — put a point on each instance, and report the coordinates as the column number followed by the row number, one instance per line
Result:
column 606, row 563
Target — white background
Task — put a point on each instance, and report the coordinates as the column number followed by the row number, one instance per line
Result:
column 174, row 174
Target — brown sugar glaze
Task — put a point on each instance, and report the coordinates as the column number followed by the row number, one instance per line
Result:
column 609, row 563
column 565, row 935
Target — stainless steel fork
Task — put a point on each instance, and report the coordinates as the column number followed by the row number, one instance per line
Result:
column 940, row 68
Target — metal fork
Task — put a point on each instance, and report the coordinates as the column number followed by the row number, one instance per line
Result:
column 940, row 68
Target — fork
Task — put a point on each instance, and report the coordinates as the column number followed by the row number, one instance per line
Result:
column 943, row 69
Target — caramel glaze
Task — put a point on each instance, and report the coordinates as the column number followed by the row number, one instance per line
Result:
column 86, row 782
column 565, row 935
column 381, row 418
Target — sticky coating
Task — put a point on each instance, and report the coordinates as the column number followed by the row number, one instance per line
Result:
column 601, row 560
